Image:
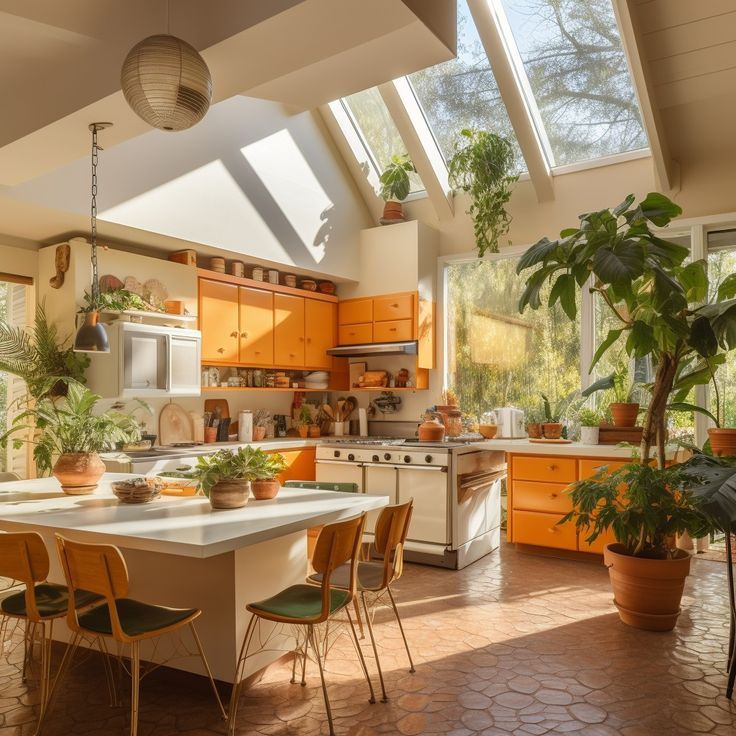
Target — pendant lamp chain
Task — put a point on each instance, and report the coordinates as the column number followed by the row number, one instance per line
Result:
column 93, row 217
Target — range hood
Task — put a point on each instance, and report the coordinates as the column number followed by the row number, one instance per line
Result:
column 377, row 348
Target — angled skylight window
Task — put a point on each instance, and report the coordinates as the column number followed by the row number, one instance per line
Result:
column 571, row 63
column 462, row 93
column 375, row 126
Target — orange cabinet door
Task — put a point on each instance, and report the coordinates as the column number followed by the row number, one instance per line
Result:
column 393, row 306
column 355, row 334
column 355, row 311
column 588, row 468
column 395, row 331
column 549, row 469
column 534, row 496
column 256, row 326
column 218, row 321
column 319, row 332
column 288, row 330
column 300, row 464
column 532, row 527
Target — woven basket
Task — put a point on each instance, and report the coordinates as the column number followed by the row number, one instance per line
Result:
column 128, row 492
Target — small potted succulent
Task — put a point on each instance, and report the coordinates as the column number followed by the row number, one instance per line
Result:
column 304, row 420
column 534, row 426
column 225, row 476
column 395, row 187
column 551, row 426
column 261, row 418
column 268, row 466
column 590, row 423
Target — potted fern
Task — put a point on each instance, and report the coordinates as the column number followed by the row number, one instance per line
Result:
column 395, row 187
column 590, row 423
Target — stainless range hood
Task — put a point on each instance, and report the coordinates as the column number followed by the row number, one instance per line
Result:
column 378, row 348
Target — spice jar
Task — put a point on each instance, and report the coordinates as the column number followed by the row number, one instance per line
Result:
column 454, row 422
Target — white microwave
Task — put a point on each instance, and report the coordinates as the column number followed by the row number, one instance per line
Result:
column 147, row 361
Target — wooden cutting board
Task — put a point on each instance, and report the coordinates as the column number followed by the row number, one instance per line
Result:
column 174, row 425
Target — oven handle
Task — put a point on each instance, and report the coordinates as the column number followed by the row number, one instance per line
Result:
column 433, row 468
column 475, row 482
column 352, row 464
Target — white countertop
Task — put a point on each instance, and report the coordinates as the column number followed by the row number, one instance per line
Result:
column 573, row 449
column 185, row 526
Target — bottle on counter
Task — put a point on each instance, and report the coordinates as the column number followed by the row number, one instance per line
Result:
column 245, row 425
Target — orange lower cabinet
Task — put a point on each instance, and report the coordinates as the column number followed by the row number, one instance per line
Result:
column 534, row 496
column 596, row 546
column 549, row 469
column 300, row 464
column 588, row 468
column 541, row 529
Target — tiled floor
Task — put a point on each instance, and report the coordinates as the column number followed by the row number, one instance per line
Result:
column 511, row 645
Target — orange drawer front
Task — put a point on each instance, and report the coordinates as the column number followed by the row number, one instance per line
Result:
column 598, row 544
column 535, row 496
column 400, row 329
column 588, row 468
column 355, row 312
column 355, row 334
column 548, row 469
column 532, row 527
column 393, row 307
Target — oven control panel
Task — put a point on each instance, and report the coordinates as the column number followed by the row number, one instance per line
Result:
column 386, row 455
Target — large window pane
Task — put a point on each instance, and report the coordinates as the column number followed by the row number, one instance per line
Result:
column 462, row 93
column 578, row 76
column 498, row 357
column 378, row 131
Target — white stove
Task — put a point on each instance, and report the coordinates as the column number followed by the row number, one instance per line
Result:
column 455, row 486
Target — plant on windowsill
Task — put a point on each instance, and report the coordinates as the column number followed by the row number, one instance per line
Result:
column 225, row 477
column 624, row 410
column 657, row 300
column 68, row 436
column 395, row 187
column 481, row 166
column 590, row 423
column 552, row 426
column 269, row 466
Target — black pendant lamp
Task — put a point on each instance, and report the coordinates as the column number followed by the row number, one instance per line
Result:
column 92, row 336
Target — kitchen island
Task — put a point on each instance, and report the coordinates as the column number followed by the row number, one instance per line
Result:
column 181, row 553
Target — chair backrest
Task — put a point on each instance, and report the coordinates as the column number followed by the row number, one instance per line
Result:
column 96, row 568
column 317, row 485
column 337, row 545
column 390, row 536
column 23, row 557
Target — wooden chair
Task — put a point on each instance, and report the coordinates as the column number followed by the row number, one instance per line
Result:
column 101, row 568
column 23, row 558
column 309, row 605
column 376, row 578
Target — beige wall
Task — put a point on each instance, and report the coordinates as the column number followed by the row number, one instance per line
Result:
column 19, row 261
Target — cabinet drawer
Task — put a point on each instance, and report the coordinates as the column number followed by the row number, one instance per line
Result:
column 588, row 468
column 531, row 527
column 400, row 329
column 550, row 469
column 355, row 334
column 399, row 306
column 354, row 312
column 535, row 496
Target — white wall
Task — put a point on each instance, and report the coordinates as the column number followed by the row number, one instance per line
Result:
column 19, row 261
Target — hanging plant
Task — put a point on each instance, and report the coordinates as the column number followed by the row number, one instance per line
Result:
column 481, row 166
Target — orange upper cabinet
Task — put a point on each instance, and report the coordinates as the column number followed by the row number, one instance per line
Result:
column 393, row 306
column 219, row 321
column 288, row 330
column 355, row 311
column 319, row 333
column 256, row 326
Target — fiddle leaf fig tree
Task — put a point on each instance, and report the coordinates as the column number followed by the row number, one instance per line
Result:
column 394, row 180
column 656, row 298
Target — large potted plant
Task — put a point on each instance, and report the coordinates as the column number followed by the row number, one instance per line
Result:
column 269, row 466
column 68, row 436
column 395, row 187
column 225, row 476
column 482, row 165
column 657, row 300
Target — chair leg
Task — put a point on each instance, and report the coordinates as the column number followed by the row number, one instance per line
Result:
column 358, row 617
column 239, row 671
column 207, row 667
column 315, row 646
column 401, row 628
column 109, row 673
column 731, row 674
column 361, row 658
column 69, row 652
column 46, row 638
column 135, row 686
column 731, row 602
column 29, row 636
column 300, row 653
column 303, row 683
column 369, row 624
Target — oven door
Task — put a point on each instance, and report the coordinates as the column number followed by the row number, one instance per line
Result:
column 334, row 471
column 379, row 480
column 430, row 521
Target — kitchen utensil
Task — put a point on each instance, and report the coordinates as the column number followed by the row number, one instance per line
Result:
column 488, row 430
column 273, row 276
column 356, row 371
column 351, row 404
column 223, row 430
column 245, row 425
column 197, row 426
column 362, row 422
column 510, row 422
column 237, row 268
column 131, row 283
column 108, row 282
column 218, row 407
column 340, row 413
column 155, row 293
column 431, row 429
column 309, row 284
column 174, row 425
column 210, row 434
column 326, row 287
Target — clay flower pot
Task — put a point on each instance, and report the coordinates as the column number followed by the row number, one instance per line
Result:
column 265, row 489
column 314, row 430
column 723, row 441
column 393, row 211
column 78, row 472
column 303, row 431
column 534, row 430
column 624, row 415
column 230, row 494
column 552, row 430
column 647, row 592
column 258, row 433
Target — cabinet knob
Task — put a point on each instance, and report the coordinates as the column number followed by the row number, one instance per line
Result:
column 553, row 495
column 392, row 329
column 234, row 334
column 395, row 306
column 243, row 334
column 552, row 530
column 220, row 350
column 309, row 339
column 552, row 467
column 301, row 339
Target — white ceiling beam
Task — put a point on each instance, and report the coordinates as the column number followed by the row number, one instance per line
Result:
column 666, row 169
column 513, row 98
column 420, row 144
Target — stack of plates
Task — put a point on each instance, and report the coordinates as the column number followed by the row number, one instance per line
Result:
column 317, row 379
column 217, row 264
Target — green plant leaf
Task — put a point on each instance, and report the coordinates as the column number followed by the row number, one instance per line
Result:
column 611, row 338
column 694, row 279
column 536, row 254
column 684, row 406
column 659, row 209
column 602, row 384
column 564, row 290
column 702, row 337
column 620, row 263
column 727, row 288
column 670, row 254
column 619, row 209
column 641, row 340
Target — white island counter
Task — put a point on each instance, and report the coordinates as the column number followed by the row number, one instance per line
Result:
column 182, row 553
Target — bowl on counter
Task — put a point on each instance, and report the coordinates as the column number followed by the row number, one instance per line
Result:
column 488, row 431
column 137, row 490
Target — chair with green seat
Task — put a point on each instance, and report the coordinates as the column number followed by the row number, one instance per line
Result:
column 308, row 606
column 101, row 568
column 375, row 578
column 24, row 558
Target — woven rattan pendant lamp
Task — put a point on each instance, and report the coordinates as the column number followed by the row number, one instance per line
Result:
column 166, row 82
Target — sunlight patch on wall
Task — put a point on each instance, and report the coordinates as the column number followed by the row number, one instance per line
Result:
column 294, row 188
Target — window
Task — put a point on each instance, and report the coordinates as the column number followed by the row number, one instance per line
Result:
column 498, row 357
column 375, row 126
column 572, row 64
column 462, row 93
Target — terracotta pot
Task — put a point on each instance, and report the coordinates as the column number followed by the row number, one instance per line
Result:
column 78, row 472
column 258, row 433
column 393, row 211
column 723, row 441
column 303, row 431
column 265, row 489
column 624, row 415
column 314, row 430
column 552, row 430
column 647, row 592
column 534, row 430
column 230, row 494
column 431, row 430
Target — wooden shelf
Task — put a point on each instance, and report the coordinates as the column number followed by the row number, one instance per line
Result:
column 203, row 273
column 388, row 388
column 264, row 388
